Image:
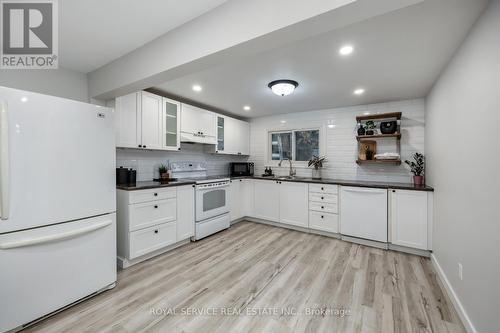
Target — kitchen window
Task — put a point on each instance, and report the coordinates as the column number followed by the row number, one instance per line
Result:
column 297, row 145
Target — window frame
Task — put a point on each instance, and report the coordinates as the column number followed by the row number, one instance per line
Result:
column 299, row 164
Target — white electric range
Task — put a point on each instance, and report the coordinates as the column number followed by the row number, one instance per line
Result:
column 211, row 197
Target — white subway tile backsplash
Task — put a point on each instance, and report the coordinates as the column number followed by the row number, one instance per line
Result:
column 146, row 162
column 341, row 144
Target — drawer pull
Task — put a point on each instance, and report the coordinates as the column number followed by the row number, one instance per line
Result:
column 322, row 207
column 322, row 217
column 156, row 231
column 322, row 189
column 322, row 198
column 156, row 194
column 156, row 206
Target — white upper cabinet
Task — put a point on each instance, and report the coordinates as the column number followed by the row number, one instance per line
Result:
column 408, row 219
column 139, row 121
column 152, row 115
column 293, row 203
column 128, row 121
column 197, row 125
column 233, row 136
column 171, row 125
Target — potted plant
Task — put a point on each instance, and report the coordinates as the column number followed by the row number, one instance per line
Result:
column 163, row 169
column 368, row 153
column 370, row 127
column 417, row 168
column 317, row 163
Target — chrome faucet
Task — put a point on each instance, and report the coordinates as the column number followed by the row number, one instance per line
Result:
column 292, row 172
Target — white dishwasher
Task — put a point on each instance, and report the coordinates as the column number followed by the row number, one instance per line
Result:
column 363, row 213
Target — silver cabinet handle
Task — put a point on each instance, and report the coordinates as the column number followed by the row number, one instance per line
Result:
column 4, row 162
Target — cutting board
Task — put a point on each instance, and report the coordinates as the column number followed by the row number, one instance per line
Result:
column 372, row 145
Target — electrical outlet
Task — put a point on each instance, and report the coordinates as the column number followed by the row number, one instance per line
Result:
column 460, row 271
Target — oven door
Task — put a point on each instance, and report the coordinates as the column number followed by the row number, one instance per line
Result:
column 211, row 202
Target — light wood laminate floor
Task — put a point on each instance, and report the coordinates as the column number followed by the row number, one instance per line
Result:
column 253, row 267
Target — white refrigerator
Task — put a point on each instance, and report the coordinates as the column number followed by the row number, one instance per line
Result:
column 57, row 204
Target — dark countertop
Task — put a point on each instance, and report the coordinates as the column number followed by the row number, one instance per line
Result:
column 144, row 185
column 152, row 184
column 354, row 183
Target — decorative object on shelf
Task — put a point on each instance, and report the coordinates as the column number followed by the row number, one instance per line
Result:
column 364, row 146
column 164, row 174
column 388, row 127
column 361, row 129
column 317, row 163
column 369, row 153
column 370, row 127
column 417, row 168
column 387, row 156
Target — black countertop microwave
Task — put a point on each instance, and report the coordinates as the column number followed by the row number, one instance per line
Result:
column 241, row 168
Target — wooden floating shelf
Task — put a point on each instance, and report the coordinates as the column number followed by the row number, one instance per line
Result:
column 396, row 115
column 395, row 162
column 378, row 136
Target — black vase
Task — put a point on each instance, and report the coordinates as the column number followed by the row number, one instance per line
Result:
column 361, row 130
column 388, row 127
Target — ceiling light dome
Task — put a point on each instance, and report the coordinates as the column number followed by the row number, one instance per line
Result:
column 283, row 87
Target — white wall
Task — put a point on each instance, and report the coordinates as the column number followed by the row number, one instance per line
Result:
column 57, row 82
column 340, row 141
column 463, row 162
column 147, row 162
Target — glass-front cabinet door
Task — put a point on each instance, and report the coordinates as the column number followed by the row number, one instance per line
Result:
column 171, row 124
column 220, row 134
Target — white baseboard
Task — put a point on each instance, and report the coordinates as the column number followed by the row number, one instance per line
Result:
column 453, row 296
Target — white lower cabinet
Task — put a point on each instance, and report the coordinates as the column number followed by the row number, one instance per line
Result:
column 152, row 219
column 151, row 239
column 409, row 218
column 293, row 204
column 235, row 199
column 185, row 212
column 247, row 197
column 266, row 200
column 323, row 207
column 323, row 221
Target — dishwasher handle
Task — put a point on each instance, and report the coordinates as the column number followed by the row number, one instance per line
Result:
column 365, row 190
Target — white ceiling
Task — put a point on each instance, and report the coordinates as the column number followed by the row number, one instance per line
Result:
column 397, row 56
column 94, row 32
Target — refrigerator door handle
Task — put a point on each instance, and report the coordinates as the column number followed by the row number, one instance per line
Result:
column 53, row 238
column 4, row 162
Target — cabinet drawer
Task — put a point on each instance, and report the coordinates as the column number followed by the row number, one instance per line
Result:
column 151, row 239
column 146, row 214
column 324, row 221
column 323, row 207
column 151, row 195
column 322, row 188
column 323, row 197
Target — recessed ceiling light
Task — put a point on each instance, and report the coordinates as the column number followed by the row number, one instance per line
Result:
column 331, row 126
column 247, row 108
column 359, row 91
column 283, row 121
column 197, row 88
column 283, row 87
column 24, row 99
column 346, row 50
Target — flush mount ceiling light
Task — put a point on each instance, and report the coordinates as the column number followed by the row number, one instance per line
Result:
column 346, row 50
column 247, row 108
column 359, row 91
column 197, row 88
column 283, row 87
